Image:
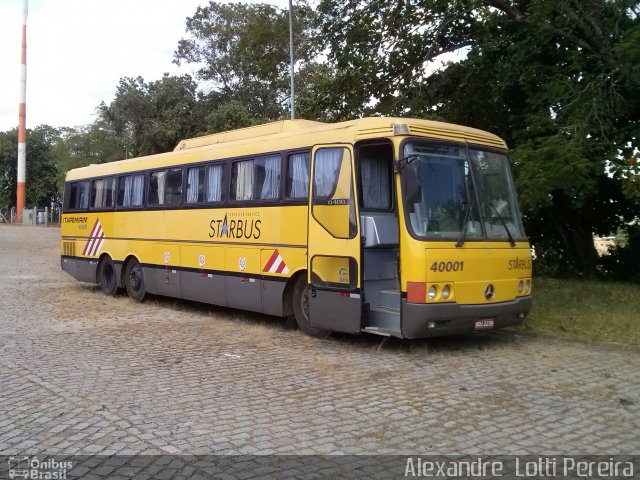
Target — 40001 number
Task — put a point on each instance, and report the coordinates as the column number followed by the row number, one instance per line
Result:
column 447, row 266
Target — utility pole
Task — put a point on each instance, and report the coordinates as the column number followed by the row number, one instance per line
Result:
column 293, row 114
column 22, row 126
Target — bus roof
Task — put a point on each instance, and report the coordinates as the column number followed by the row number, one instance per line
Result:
column 273, row 128
column 289, row 135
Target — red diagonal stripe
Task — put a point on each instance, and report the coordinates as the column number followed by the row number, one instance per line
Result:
column 86, row 246
column 281, row 267
column 271, row 261
column 98, row 245
column 93, row 231
column 98, row 241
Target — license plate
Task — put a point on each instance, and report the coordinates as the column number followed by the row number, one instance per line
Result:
column 484, row 323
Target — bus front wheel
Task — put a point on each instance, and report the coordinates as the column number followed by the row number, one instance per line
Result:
column 301, row 309
column 107, row 276
column 134, row 281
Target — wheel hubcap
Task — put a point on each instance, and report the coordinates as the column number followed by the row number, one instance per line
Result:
column 108, row 276
column 304, row 303
column 135, row 278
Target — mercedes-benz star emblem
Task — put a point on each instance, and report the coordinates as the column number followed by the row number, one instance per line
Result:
column 489, row 291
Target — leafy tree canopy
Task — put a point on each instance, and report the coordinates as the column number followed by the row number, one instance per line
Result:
column 242, row 52
column 153, row 117
column 41, row 167
column 79, row 147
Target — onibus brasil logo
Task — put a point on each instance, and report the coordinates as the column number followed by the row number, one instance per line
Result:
column 35, row 469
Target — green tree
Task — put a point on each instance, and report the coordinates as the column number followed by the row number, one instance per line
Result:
column 242, row 51
column 153, row 117
column 229, row 116
column 558, row 80
column 323, row 95
column 41, row 169
column 79, row 147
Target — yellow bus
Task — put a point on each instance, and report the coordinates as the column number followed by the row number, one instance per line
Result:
column 393, row 226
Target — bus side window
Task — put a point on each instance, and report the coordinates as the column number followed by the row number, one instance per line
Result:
column 268, row 176
column 256, row 179
column 298, row 175
column 102, row 193
column 131, row 190
column 216, row 175
column 206, row 183
column 242, row 180
column 195, row 184
column 173, row 187
column 79, row 197
column 165, row 187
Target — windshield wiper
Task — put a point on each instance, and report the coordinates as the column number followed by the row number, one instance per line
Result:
column 512, row 242
column 463, row 235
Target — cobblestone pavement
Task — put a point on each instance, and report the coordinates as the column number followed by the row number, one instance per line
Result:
column 81, row 373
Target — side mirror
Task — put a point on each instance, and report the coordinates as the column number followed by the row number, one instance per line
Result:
column 412, row 187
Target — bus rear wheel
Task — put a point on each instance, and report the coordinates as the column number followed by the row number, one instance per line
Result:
column 107, row 276
column 134, row 281
column 300, row 299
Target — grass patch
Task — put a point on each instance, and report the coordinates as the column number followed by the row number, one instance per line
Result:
column 586, row 309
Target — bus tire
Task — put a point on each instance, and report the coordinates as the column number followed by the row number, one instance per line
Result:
column 107, row 276
column 300, row 300
column 134, row 281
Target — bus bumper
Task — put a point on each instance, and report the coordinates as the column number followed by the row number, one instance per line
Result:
column 435, row 320
column 83, row 269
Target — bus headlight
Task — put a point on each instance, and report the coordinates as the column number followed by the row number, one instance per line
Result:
column 446, row 292
column 527, row 286
column 520, row 287
column 432, row 292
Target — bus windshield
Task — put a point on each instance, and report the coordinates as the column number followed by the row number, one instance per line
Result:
column 453, row 192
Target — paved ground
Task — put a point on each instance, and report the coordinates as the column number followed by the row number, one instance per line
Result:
column 81, row 373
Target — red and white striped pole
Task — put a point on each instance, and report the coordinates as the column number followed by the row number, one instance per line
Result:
column 22, row 126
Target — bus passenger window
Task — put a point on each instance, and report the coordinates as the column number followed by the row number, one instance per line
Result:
column 103, row 192
column 195, row 185
column 215, row 181
column 268, row 170
column 131, row 190
column 243, row 180
column 204, row 184
column 298, row 176
column 165, row 187
column 256, row 179
column 173, row 187
column 79, row 197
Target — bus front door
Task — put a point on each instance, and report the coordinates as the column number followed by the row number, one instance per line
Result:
column 334, row 242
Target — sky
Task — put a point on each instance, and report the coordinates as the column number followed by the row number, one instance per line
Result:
column 77, row 51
